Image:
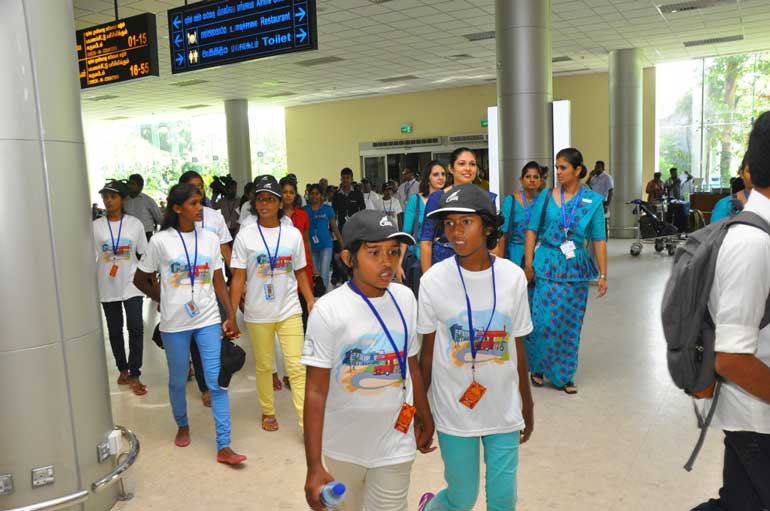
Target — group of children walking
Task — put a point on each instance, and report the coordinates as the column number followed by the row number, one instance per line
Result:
column 376, row 356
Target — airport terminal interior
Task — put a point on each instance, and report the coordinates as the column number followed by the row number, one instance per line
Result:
column 96, row 92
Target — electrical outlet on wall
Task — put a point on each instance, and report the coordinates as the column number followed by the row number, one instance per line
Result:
column 6, row 484
column 42, row 476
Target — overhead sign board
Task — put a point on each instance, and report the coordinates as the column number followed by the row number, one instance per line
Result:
column 207, row 34
column 114, row 52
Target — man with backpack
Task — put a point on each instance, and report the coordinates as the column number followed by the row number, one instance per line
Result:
column 739, row 307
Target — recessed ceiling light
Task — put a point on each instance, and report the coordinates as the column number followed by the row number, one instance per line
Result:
column 692, row 5
column 561, row 59
column 480, row 36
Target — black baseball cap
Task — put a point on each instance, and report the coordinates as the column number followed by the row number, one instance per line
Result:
column 467, row 198
column 267, row 183
column 232, row 359
column 118, row 187
column 371, row 225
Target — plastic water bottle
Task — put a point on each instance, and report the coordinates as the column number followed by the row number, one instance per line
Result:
column 332, row 494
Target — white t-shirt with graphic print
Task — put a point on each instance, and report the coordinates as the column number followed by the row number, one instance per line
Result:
column 365, row 395
column 442, row 309
column 131, row 242
column 166, row 256
column 249, row 254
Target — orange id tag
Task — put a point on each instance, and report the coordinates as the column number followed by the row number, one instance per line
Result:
column 405, row 418
column 114, row 270
column 473, row 394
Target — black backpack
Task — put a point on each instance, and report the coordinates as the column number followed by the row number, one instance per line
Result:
column 687, row 323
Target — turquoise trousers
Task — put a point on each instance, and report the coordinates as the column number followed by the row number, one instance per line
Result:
column 462, row 472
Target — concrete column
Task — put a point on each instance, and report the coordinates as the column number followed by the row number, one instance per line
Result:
column 55, row 399
column 625, row 137
column 238, row 142
column 524, row 88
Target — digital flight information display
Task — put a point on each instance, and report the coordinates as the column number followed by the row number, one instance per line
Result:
column 118, row 51
column 214, row 33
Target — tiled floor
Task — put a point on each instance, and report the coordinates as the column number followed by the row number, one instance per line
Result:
column 618, row 445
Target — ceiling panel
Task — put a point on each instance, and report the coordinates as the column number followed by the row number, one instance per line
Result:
column 420, row 38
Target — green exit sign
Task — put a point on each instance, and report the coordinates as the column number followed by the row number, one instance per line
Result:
column 407, row 128
column 484, row 123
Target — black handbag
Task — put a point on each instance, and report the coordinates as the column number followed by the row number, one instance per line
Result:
column 411, row 265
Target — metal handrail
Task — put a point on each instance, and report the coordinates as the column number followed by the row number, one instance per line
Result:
column 57, row 503
column 117, row 473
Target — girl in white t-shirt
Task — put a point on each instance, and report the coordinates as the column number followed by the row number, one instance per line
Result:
column 473, row 313
column 269, row 259
column 119, row 240
column 364, row 388
column 189, row 266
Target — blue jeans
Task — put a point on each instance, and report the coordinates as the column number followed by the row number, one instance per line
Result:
column 462, row 473
column 322, row 262
column 177, row 347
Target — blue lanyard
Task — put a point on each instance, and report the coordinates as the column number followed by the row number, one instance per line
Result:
column 115, row 244
column 527, row 207
column 191, row 270
column 566, row 224
column 745, row 194
column 475, row 348
column 272, row 258
column 401, row 359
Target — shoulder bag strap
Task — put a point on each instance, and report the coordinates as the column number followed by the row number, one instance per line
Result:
column 509, row 231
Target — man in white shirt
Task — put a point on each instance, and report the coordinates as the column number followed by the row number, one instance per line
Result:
column 737, row 304
column 372, row 199
column 602, row 183
column 141, row 206
column 408, row 187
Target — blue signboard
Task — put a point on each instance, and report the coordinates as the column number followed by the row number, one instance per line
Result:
column 214, row 33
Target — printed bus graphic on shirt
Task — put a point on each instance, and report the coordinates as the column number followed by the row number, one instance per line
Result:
column 123, row 253
column 492, row 345
column 179, row 272
column 284, row 263
column 370, row 365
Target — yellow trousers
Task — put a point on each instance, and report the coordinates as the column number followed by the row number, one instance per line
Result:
column 291, row 340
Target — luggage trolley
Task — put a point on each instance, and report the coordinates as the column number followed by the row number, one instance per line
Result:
column 652, row 229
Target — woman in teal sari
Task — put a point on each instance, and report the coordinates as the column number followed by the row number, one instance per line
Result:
column 562, row 268
column 522, row 202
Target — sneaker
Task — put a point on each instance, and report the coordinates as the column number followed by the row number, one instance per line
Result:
column 426, row 497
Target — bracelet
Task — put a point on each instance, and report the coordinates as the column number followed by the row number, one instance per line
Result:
column 602, row 277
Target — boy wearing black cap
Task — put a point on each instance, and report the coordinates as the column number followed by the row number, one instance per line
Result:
column 364, row 390
column 473, row 313
column 119, row 241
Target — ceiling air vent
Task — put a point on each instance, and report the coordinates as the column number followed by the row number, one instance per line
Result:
column 116, row 118
column 461, row 56
column 692, row 5
column 188, row 83
column 319, row 61
column 713, row 40
column 464, row 139
column 480, row 36
column 407, row 143
column 103, row 97
column 278, row 94
column 402, row 78
column 561, row 59
column 380, row 1
column 193, row 107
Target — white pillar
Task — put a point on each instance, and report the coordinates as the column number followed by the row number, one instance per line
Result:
column 55, row 399
column 238, row 142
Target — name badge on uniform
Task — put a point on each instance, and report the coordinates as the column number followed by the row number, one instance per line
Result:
column 568, row 249
column 405, row 418
column 192, row 308
column 473, row 394
column 589, row 201
column 114, row 270
column 269, row 292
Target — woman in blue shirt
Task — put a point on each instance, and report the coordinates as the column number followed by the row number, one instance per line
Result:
column 733, row 203
column 562, row 268
column 513, row 236
column 322, row 225
column 433, row 180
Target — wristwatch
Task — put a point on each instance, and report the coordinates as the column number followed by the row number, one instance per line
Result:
column 602, row 277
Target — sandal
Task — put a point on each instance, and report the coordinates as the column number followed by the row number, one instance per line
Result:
column 137, row 387
column 269, row 423
column 286, row 382
column 123, row 378
column 276, row 383
column 228, row 457
column 537, row 379
column 206, row 398
column 570, row 388
column 182, row 438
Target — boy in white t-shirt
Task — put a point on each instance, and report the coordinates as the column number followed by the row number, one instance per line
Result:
column 364, row 390
column 473, row 313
